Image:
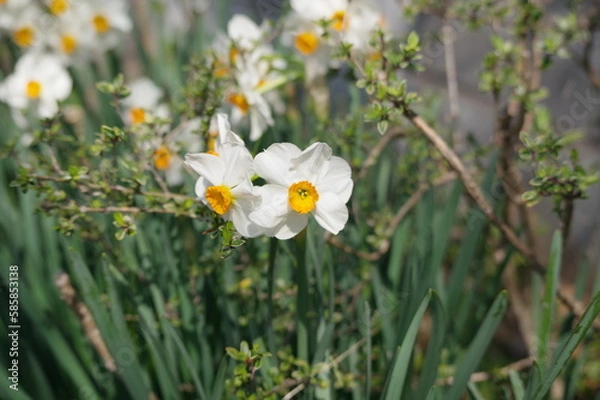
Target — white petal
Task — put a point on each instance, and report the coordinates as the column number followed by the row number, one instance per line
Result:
column 331, row 213
column 207, row 165
column 293, row 225
column 226, row 135
column 144, row 94
column 310, row 9
column 309, row 164
column 47, row 109
column 200, row 188
column 243, row 30
column 238, row 161
column 240, row 216
column 273, row 163
column 273, row 207
column 259, row 123
column 336, row 178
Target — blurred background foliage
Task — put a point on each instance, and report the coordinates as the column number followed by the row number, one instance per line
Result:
column 411, row 300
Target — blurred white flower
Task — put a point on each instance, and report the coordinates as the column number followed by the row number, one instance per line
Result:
column 71, row 36
column 143, row 102
column 307, row 38
column 225, row 186
column 23, row 25
column 249, row 103
column 39, row 81
column 300, row 183
column 245, row 33
column 166, row 149
column 9, row 10
column 58, row 7
column 333, row 11
column 361, row 22
column 108, row 20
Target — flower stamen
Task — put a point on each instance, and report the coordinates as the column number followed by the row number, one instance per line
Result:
column 220, row 198
column 306, row 43
column 24, row 36
column 138, row 115
column 339, row 23
column 101, row 23
column 68, row 44
column 33, row 89
column 302, row 197
column 240, row 101
column 162, row 158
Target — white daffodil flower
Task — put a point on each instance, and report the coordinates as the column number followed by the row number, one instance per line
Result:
column 245, row 33
column 165, row 150
column 108, row 20
column 249, row 102
column 58, row 7
column 39, row 82
column 308, row 40
column 361, row 22
column 23, row 25
column 225, row 186
column 329, row 10
column 71, row 36
column 300, row 183
column 143, row 102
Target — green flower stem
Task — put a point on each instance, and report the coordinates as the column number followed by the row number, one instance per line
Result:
column 302, row 299
column 270, row 284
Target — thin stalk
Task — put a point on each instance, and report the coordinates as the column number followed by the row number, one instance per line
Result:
column 302, row 299
column 270, row 283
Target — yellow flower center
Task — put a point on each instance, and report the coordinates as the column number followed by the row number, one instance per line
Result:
column 33, row 89
column 338, row 21
column 138, row 115
column 219, row 198
column 240, row 101
column 233, row 55
column 162, row 158
column 58, row 7
column 68, row 44
column 302, row 197
column 101, row 23
column 24, row 36
column 306, row 43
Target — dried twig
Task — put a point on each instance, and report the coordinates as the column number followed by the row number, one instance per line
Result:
column 474, row 191
column 483, row 376
column 68, row 294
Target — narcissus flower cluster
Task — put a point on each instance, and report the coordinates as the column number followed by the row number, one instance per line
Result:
column 53, row 35
column 300, row 183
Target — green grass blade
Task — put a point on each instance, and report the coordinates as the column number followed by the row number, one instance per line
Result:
column 129, row 369
column 564, row 353
column 434, row 348
column 548, row 301
column 484, row 335
column 188, row 361
column 517, row 385
column 397, row 375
